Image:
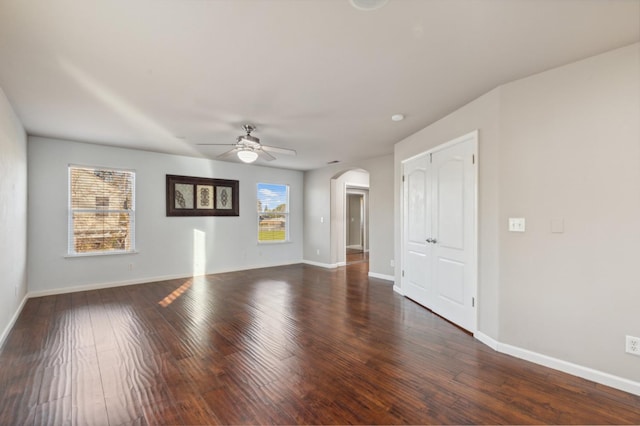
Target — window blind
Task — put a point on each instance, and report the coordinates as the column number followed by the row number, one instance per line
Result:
column 101, row 210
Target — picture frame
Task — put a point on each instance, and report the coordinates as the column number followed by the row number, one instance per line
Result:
column 196, row 196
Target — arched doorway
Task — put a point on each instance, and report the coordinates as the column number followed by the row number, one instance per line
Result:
column 345, row 183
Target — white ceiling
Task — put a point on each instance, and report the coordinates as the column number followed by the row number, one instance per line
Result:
column 317, row 76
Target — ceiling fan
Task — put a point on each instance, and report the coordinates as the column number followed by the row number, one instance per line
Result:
column 248, row 148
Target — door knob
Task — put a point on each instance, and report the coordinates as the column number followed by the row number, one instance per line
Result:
column 432, row 240
column 429, row 240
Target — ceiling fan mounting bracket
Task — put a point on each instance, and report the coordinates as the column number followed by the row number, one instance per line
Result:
column 249, row 128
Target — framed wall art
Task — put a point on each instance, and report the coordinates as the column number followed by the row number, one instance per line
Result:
column 195, row 196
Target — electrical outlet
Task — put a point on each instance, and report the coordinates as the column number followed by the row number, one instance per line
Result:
column 131, row 266
column 318, row 252
column 633, row 345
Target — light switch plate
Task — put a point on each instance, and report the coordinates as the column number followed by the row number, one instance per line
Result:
column 516, row 224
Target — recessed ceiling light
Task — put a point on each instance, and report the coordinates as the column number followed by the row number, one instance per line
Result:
column 368, row 4
column 397, row 117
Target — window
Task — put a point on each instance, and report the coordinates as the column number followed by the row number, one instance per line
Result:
column 101, row 211
column 273, row 213
column 102, row 204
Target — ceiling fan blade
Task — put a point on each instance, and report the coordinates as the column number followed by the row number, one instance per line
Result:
column 216, row 144
column 276, row 150
column 228, row 153
column 265, row 155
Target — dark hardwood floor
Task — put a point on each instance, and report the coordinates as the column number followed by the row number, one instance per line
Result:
column 287, row 345
column 356, row 256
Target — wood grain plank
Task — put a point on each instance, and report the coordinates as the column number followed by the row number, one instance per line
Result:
column 55, row 412
column 289, row 345
column 87, row 395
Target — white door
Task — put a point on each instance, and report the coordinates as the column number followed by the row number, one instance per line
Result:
column 448, row 286
column 417, row 225
column 454, row 236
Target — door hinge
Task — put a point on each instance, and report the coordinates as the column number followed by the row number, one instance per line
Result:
column 403, row 272
column 473, row 302
column 403, row 178
column 431, row 158
column 473, row 159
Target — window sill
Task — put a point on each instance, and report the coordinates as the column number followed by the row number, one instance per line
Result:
column 108, row 253
column 260, row 243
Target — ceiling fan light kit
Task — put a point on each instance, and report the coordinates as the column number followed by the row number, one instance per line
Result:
column 367, row 5
column 247, row 156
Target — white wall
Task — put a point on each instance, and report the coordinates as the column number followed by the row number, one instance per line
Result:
column 573, row 153
column 165, row 244
column 317, row 202
column 380, row 215
column 560, row 145
column 13, row 215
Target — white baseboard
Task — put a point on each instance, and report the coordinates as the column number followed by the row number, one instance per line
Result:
column 398, row 290
column 14, row 318
column 382, row 276
column 320, row 264
column 489, row 341
column 597, row 376
column 574, row 369
column 250, row 267
column 99, row 286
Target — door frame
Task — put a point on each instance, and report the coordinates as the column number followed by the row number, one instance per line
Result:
column 472, row 137
column 364, row 192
